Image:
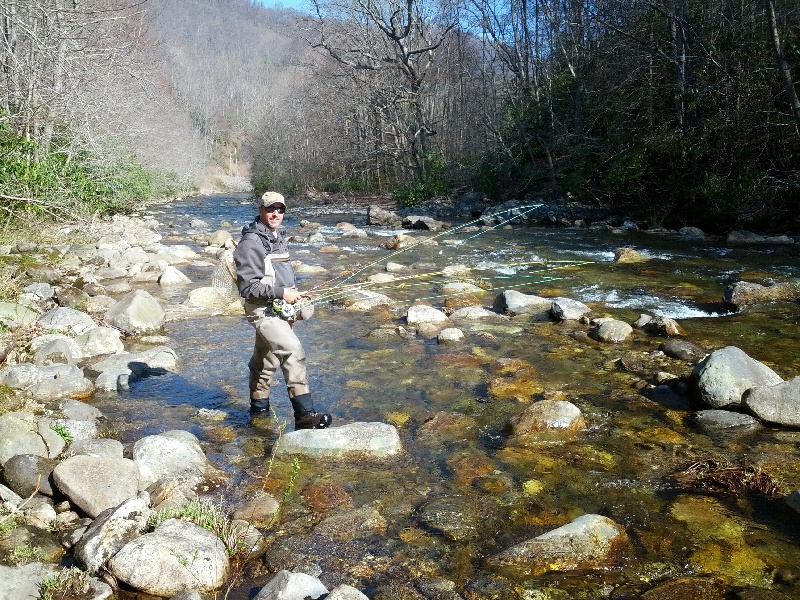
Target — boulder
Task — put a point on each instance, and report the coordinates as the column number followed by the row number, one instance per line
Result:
column 29, row 473
column 547, row 414
column 683, row 350
column 566, row 309
column 14, row 315
column 23, row 433
column 110, row 531
column 588, row 542
column 376, row 440
column 95, row 484
column 518, row 303
column 743, row 293
column 173, row 276
column 720, row 380
column 65, row 320
column 136, row 313
column 613, row 331
column 178, row 555
column 292, row 586
column 628, row 255
column 115, row 372
column 382, row 217
column 171, row 455
column 777, row 404
column 423, row 314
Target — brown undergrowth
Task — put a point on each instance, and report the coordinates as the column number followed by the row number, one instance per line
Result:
column 719, row 477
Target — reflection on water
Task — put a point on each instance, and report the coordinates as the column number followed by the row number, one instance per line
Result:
column 509, row 491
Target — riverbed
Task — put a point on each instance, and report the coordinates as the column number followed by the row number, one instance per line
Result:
column 463, row 490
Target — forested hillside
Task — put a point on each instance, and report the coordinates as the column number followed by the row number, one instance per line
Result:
column 673, row 111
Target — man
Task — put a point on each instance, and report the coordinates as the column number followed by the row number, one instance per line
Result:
column 266, row 281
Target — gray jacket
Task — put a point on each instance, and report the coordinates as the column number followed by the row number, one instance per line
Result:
column 263, row 269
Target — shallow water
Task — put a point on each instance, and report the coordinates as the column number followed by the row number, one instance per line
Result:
column 504, row 492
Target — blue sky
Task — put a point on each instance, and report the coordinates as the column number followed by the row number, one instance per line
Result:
column 296, row 4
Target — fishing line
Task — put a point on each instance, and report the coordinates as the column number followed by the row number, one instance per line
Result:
column 430, row 279
column 544, row 279
column 438, row 235
column 427, row 274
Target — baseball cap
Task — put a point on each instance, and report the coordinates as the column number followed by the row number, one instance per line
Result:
column 270, row 198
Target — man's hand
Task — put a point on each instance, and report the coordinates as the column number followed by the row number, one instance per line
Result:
column 291, row 295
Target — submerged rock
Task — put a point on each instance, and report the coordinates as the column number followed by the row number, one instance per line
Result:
column 588, row 542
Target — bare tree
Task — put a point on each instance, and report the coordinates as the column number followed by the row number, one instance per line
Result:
column 392, row 46
column 783, row 65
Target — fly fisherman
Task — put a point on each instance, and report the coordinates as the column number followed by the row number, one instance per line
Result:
column 266, row 282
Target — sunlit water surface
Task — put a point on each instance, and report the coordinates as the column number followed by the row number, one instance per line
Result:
column 505, row 492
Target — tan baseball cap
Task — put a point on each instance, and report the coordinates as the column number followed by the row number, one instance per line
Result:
column 270, row 198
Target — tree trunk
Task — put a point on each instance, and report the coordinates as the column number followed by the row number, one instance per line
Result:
column 783, row 65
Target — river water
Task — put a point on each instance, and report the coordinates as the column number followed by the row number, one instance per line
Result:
column 463, row 490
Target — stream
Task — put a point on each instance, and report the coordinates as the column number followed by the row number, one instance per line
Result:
column 495, row 493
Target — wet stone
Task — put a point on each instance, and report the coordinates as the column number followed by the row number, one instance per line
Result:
column 29, row 473
column 458, row 518
column 324, row 496
column 696, row 588
column 715, row 420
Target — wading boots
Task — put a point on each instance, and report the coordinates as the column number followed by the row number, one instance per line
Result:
column 304, row 415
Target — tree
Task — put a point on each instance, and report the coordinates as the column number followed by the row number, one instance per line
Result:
column 391, row 47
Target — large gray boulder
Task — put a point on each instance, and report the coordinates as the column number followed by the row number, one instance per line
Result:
column 382, row 217
column 65, row 320
column 115, row 372
column 47, row 382
column 111, row 531
column 422, row 314
column 744, row 293
column 172, row 455
column 613, row 331
column 567, row 309
column 178, row 555
column 100, row 341
column 136, row 313
column 777, row 404
column 518, row 303
column 376, row 440
column 95, row 484
column 548, row 414
column 27, row 474
column 18, row 583
column 361, row 300
column 720, row 380
column 14, row 315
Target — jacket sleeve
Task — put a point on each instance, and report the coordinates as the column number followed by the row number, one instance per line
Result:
column 249, row 258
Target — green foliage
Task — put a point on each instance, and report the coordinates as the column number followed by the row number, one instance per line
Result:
column 62, row 431
column 271, row 181
column 208, row 516
column 431, row 183
column 69, row 185
column 410, row 195
column 69, row 584
column 23, row 554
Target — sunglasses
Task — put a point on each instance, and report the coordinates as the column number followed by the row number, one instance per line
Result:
column 275, row 208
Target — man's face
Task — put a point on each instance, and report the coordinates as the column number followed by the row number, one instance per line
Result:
column 272, row 216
